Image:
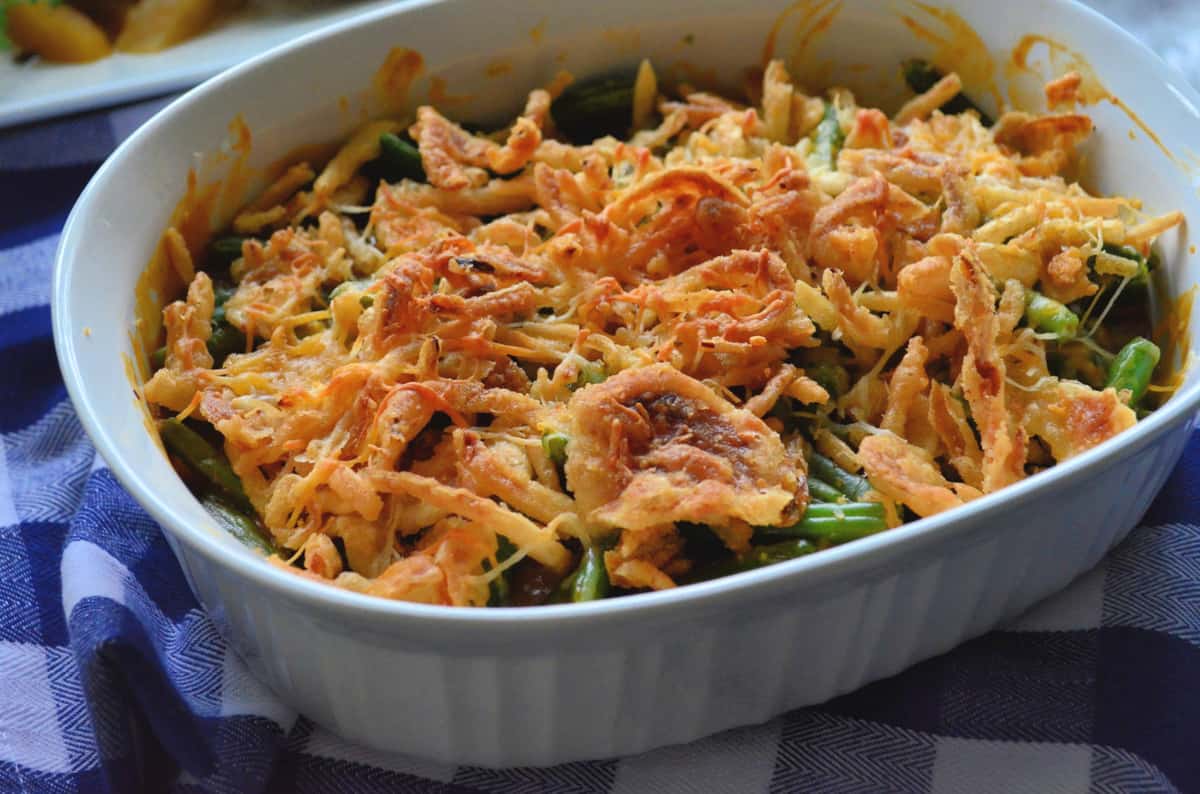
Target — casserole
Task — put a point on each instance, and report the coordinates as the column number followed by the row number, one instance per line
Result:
column 651, row 669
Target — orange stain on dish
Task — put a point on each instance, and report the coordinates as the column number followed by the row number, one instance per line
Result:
column 1136, row 119
column 684, row 71
column 439, row 93
column 820, row 25
column 240, row 139
column 232, row 192
column 1192, row 249
column 136, row 373
column 238, row 143
column 1062, row 59
column 1173, row 331
column 628, row 39
column 193, row 215
column 159, row 281
column 538, row 32
column 395, row 76
column 499, row 67
column 815, row 17
column 957, row 48
column 315, row 154
column 133, row 373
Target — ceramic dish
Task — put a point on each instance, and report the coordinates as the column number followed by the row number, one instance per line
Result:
column 560, row 683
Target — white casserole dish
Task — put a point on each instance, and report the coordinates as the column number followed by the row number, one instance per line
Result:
column 554, row 684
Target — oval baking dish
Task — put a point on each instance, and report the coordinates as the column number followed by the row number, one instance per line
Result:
column 655, row 668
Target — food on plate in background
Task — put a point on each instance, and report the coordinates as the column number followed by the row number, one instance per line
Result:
column 77, row 31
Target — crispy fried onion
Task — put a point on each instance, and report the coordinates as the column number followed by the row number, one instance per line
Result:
column 983, row 372
column 908, row 382
column 454, row 159
column 540, row 543
column 727, row 313
column 949, row 420
column 647, row 558
column 907, row 473
column 189, row 325
column 1045, row 144
column 1072, row 417
column 652, row 446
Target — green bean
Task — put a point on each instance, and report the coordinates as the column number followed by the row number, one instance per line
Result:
column 821, row 491
column 1124, row 251
column 756, row 557
column 343, row 288
column 1128, row 252
column 590, row 372
column 158, row 359
column 238, row 523
column 223, row 251
column 498, row 589
column 828, row 138
column 554, row 444
column 852, row 434
column 365, row 300
column 921, row 76
column 1049, row 316
column 596, row 106
column 205, row 460
column 851, row 485
column 1133, row 367
column 400, row 159
column 222, row 292
column 590, row 580
column 225, row 338
column 1076, row 362
column 833, row 378
column 857, row 509
column 834, row 523
column 785, row 410
column 836, row 531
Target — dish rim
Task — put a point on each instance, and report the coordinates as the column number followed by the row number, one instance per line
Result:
column 873, row 550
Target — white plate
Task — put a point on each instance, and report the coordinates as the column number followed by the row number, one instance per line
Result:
column 36, row 90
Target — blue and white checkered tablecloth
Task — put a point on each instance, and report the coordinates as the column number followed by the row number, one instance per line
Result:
column 113, row 679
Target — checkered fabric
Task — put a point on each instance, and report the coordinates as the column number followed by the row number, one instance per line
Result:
column 113, row 679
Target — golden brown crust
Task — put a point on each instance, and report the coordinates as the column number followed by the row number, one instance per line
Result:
column 682, row 315
column 905, row 473
column 652, row 446
column 983, row 372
